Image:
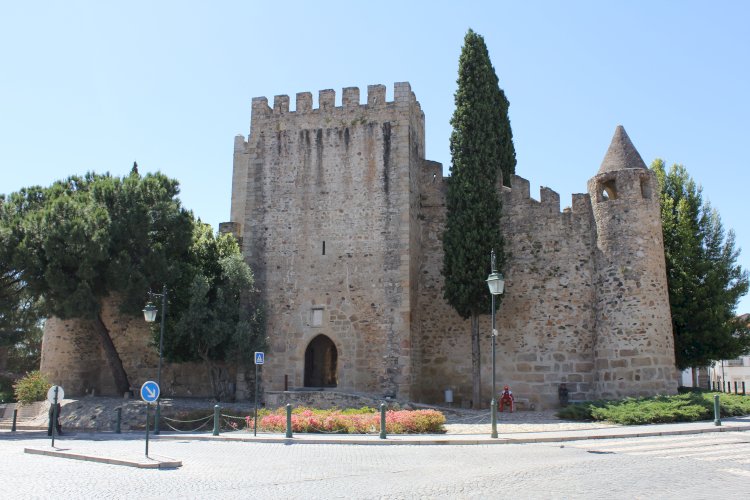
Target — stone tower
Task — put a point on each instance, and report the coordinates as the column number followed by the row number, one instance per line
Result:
column 633, row 346
column 325, row 202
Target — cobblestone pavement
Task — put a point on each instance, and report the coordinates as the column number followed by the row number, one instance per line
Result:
column 704, row 466
column 478, row 422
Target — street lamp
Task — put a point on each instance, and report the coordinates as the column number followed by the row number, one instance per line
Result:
column 149, row 313
column 496, row 284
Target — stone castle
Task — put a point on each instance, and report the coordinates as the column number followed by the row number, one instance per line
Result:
column 340, row 216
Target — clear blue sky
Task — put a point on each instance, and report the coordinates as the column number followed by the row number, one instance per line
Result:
column 95, row 85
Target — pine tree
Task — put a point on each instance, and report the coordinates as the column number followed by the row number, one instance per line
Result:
column 85, row 238
column 481, row 151
column 705, row 282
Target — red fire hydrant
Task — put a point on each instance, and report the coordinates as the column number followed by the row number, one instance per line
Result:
column 506, row 398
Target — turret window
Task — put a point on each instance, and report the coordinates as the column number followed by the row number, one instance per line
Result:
column 608, row 190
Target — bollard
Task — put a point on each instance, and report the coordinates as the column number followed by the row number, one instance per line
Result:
column 743, row 388
column 15, row 418
column 717, row 413
column 735, row 387
column 119, row 421
column 288, row 420
column 382, row 420
column 216, row 419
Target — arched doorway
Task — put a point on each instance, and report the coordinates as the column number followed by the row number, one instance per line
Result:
column 321, row 359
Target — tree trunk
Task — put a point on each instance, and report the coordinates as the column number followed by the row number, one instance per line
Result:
column 212, row 377
column 122, row 385
column 476, row 401
column 694, row 374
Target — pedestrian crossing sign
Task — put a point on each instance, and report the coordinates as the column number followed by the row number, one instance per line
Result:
column 259, row 358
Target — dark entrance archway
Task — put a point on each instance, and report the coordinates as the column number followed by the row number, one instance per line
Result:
column 321, row 360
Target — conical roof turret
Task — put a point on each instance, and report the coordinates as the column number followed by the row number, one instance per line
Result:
column 621, row 154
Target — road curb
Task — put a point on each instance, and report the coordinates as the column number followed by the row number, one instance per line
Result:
column 144, row 463
column 401, row 439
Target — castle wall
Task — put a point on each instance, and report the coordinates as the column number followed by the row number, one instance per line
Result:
column 72, row 356
column 341, row 218
column 546, row 320
column 324, row 207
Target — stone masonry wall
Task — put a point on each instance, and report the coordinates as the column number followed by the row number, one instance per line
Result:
column 634, row 349
column 546, row 320
column 323, row 201
column 72, row 357
column 341, row 218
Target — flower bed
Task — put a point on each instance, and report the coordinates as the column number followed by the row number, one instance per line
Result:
column 363, row 421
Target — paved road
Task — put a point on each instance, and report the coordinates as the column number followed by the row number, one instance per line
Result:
column 695, row 466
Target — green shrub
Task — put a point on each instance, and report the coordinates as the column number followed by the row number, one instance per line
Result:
column 32, row 387
column 689, row 406
column 731, row 405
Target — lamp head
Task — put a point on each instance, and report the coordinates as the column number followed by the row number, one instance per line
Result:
column 496, row 283
column 149, row 312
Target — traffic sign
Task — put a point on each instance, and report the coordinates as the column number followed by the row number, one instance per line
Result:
column 259, row 358
column 150, row 391
column 51, row 394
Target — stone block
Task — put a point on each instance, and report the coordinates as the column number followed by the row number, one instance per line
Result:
column 638, row 362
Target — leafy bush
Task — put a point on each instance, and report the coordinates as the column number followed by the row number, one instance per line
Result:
column 352, row 421
column 689, row 406
column 578, row 411
column 32, row 387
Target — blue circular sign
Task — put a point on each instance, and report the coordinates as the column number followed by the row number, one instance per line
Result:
column 150, row 391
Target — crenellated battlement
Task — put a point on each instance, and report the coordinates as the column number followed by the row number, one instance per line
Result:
column 350, row 101
column 519, row 196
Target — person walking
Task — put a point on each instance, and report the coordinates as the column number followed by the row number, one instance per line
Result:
column 57, row 420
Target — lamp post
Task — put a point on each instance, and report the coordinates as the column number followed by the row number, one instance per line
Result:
column 496, row 284
column 149, row 313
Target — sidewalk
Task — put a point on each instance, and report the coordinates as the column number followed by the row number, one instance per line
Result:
column 540, row 435
column 118, row 449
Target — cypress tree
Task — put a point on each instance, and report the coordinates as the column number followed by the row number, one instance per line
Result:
column 481, row 152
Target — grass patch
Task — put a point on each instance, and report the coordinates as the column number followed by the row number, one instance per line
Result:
column 687, row 407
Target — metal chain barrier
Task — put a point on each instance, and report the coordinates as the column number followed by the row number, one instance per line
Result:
column 230, row 422
column 205, row 421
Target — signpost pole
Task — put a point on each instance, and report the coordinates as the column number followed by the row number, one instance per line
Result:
column 55, row 394
column 255, row 426
column 148, row 417
column 259, row 360
column 149, row 393
column 54, row 416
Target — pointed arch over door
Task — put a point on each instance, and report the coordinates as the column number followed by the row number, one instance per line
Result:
column 321, row 363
